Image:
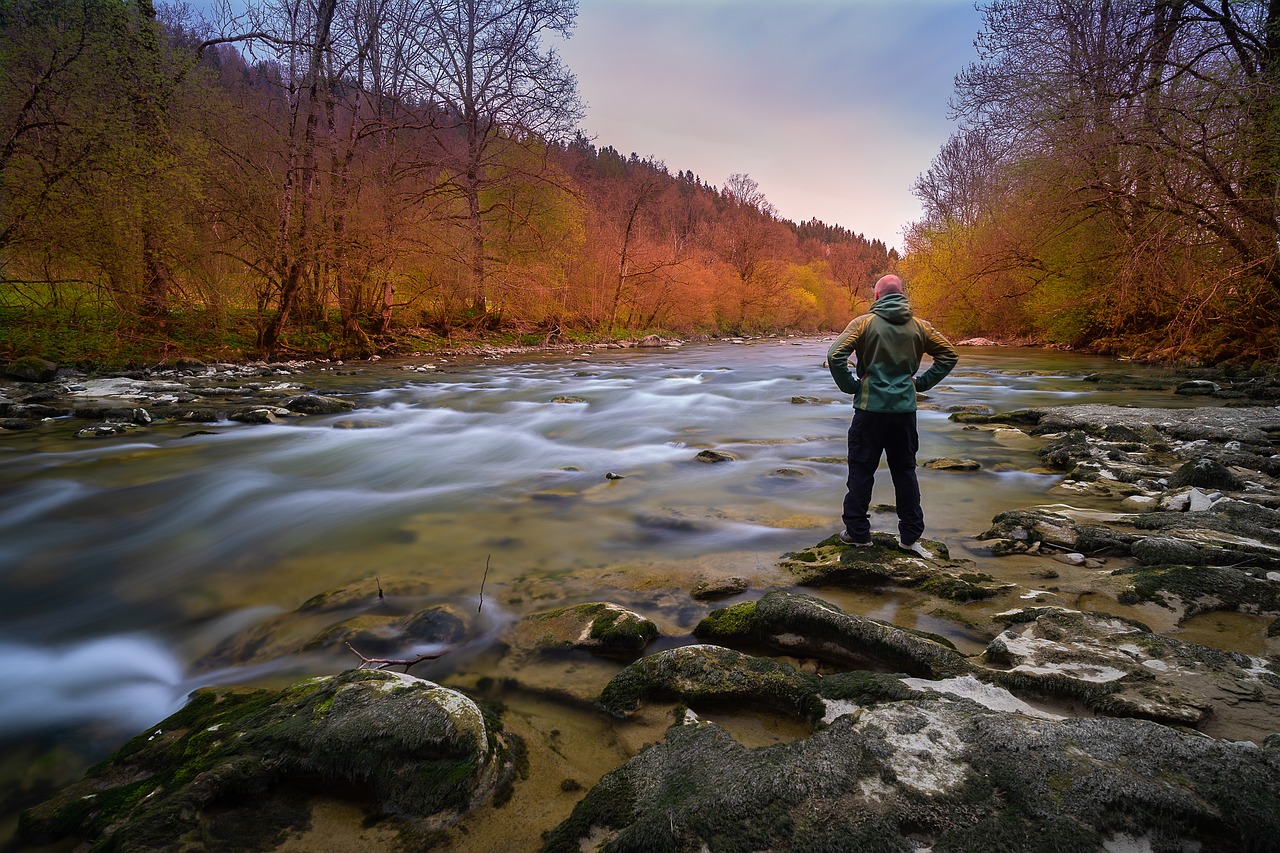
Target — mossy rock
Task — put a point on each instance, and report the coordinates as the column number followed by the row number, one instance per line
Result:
column 1025, row 417
column 599, row 627
column 316, row 404
column 712, row 674
column 833, row 563
column 31, row 368
column 1196, row 589
column 949, row 775
column 398, row 745
column 1206, row 473
column 806, row 626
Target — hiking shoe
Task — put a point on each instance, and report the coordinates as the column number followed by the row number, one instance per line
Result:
column 847, row 538
column 915, row 548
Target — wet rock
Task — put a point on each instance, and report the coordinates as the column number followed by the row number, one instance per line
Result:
column 1164, row 550
column 106, row 430
column 710, row 590
column 933, row 774
column 1140, row 503
column 694, row 674
column 17, row 424
column 568, row 398
column 714, row 456
column 31, row 368
column 804, row 626
column 948, row 463
column 133, row 415
column 1128, row 382
column 1206, row 473
column 801, row 399
column 261, row 414
column 1193, row 387
column 406, row 750
column 599, row 627
column 316, row 404
column 1193, row 589
column 1045, row 526
column 1119, row 667
column 387, row 619
column 30, row 411
column 832, row 563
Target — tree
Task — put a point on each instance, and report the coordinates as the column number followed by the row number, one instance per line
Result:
column 484, row 65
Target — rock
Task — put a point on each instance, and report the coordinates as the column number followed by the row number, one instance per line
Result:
column 106, row 430
column 934, row 774
column 261, row 414
column 1206, row 473
column 16, row 424
column 1198, row 501
column 599, row 627
column 411, row 752
column 948, row 463
column 1071, row 558
column 978, row 342
column 132, row 415
column 316, row 404
column 710, row 590
column 970, row 409
column 1194, row 588
column 1196, row 386
column 31, row 368
column 1140, row 503
column 714, row 456
column 1044, row 525
column 1119, row 667
column 568, row 398
column 1164, row 550
column 704, row 673
column 800, row 399
column 832, row 563
column 804, row 626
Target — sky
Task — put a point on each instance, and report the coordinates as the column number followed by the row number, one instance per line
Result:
column 832, row 106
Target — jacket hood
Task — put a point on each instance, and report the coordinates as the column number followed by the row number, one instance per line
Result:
column 893, row 307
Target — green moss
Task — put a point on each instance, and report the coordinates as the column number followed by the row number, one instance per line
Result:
column 956, row 589
column 737, row 622
column 621, row 630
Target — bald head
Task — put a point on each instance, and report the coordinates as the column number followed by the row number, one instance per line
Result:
column 888, row 284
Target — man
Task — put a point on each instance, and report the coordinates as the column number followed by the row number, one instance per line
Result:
column 888, row 344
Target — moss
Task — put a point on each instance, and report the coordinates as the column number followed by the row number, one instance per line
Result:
column 1200, row 589
column 622, row 630
column 956, row 589
column 737, row 622
column 866, row 688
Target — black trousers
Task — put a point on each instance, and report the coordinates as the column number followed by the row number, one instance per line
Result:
column 893, row 435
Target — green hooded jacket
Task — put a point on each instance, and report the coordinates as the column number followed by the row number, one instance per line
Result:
column 888, row 344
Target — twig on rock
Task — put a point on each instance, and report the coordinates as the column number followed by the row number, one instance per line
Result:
column 383, row 663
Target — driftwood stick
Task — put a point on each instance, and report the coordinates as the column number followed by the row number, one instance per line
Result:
column 383, row 663
column 483, row 579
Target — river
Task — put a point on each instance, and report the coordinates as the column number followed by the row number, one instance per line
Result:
column 126, row 559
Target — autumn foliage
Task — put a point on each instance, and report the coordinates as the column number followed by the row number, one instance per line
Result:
column 333, row 175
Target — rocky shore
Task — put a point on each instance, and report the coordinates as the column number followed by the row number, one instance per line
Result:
column 1072, row 729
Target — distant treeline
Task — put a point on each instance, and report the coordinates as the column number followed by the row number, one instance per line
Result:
column 326, row 175
column 1115, row 181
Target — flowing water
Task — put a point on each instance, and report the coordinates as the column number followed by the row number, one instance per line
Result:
column 123, row 560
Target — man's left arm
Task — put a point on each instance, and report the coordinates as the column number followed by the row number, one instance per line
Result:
column 943, row 354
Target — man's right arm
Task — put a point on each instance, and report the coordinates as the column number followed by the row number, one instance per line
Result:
column 841, row 349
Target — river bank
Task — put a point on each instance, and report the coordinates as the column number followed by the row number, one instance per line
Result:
column 526, row 674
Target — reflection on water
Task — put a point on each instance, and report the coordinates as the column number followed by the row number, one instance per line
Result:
column 122, row 557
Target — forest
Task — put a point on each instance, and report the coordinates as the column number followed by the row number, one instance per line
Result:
column 345, row 177
column 1114, row 181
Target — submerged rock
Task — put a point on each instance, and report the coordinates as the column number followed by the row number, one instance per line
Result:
column 934, row 774
column 599, row 627
column 398, row 746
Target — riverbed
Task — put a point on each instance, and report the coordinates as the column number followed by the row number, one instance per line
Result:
column 506, row 485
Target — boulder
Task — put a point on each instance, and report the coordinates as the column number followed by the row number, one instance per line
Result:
column 694, row 674
column 948, row 463
column 1206, row 473
column 316, row 404
column 31, row 368
column 713, row 456
column 709, row 590
column 934, row 774
column 804, row 626
column 403, row 749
